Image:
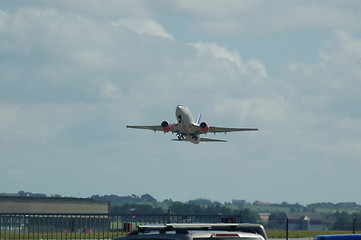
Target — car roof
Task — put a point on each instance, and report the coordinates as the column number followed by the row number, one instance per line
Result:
column 190, row 235
column 201, row 226
column 201, row 230
column 216, row 233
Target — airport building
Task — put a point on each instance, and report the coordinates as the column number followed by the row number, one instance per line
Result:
column 305, row 221
column 63, row 215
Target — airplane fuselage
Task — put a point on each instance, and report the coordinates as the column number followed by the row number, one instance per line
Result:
column 186, row 124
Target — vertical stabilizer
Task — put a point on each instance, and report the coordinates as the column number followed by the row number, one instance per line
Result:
column 199, row 118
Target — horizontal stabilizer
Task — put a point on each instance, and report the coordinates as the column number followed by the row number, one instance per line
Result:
column 212, row 140
column 201, row 140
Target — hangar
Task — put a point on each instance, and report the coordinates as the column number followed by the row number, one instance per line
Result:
column 305, row 221
column 42, row 214
column 44, row 205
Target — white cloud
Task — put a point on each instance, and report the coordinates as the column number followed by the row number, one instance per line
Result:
column 3, row 19
column 335, row 78
column 218, row 52
column 258, row 67
column 343, row 47
column 263, row 17
column 324, row 100
column 112, row 9
column 91, row 58
column 272, row 109
column 110, row 91
column 215, row 8
column 144, row 26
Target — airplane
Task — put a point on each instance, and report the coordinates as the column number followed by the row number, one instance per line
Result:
column 189, row 130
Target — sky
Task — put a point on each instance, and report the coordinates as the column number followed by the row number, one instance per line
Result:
column 73, row 74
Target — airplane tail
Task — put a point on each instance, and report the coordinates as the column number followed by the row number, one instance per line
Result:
column 199, row 119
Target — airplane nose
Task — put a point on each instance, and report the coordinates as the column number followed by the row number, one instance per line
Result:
column 178, row 112
column 178, row 109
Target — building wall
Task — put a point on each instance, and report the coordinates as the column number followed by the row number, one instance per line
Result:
column 304, row 221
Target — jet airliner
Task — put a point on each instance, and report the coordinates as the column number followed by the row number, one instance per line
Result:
column 188, row 130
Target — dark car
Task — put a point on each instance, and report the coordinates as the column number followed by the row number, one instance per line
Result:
column 338, row 237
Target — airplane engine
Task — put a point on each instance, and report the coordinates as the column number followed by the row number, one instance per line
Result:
column 165, row 126
column 204, row 127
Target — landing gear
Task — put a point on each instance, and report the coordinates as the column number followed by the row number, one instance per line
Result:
column 180, row 136
column 195, row 137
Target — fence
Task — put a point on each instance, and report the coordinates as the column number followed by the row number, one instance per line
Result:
column 106, row 226
column 89, row 226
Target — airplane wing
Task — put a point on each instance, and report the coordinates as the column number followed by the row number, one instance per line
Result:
column 198, row 130
column 225, row 130
column 154, row 128
column 173, row 128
